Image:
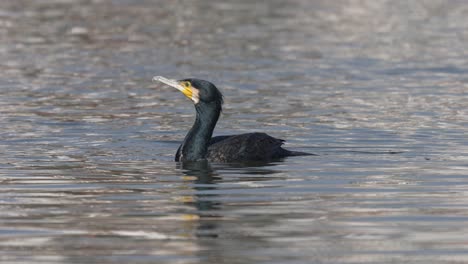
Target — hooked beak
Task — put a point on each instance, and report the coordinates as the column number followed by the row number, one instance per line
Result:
column 187, row 91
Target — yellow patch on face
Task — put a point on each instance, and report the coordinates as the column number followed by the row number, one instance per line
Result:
column 187, row 89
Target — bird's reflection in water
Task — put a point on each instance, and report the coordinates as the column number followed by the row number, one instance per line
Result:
column 206, row 204
column 208, row 194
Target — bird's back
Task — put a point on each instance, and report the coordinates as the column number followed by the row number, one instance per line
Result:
column 246, row 147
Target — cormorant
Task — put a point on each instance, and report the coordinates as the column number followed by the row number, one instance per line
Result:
column 198, row 143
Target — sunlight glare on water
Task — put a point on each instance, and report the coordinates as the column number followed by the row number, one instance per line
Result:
column 376, row 88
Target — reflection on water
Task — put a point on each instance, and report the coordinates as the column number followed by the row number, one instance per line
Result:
column 205, row 203
column 376, row 88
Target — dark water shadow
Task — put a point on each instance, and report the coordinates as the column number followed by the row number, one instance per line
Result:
column 206, row 204
column 208, row 195
column 202, row 170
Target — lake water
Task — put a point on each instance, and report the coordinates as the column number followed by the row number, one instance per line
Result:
column 378, row 89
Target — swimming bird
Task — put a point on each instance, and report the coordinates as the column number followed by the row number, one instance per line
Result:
column 199, row 143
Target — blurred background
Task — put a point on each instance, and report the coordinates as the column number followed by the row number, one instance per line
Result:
column 378, row 89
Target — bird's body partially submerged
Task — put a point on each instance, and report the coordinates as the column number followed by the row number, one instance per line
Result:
column 249, row 147
column 245, row 147
column 199, row 144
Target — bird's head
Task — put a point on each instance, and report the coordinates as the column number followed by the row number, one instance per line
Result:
column 199, row 91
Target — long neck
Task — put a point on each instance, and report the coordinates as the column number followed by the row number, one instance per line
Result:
column 195, row 145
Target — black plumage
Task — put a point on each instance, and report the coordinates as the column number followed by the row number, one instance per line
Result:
column 199, row 144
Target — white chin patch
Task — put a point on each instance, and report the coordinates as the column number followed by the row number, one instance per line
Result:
column 195, row 96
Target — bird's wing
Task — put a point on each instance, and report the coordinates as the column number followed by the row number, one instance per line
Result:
column 251, row 146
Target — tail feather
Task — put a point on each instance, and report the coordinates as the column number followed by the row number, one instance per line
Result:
column 300, row 153
column 287, row 153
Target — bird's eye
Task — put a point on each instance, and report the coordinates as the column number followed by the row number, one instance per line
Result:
column 187, row 84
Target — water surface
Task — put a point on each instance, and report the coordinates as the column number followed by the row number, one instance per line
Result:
column 377, row 89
